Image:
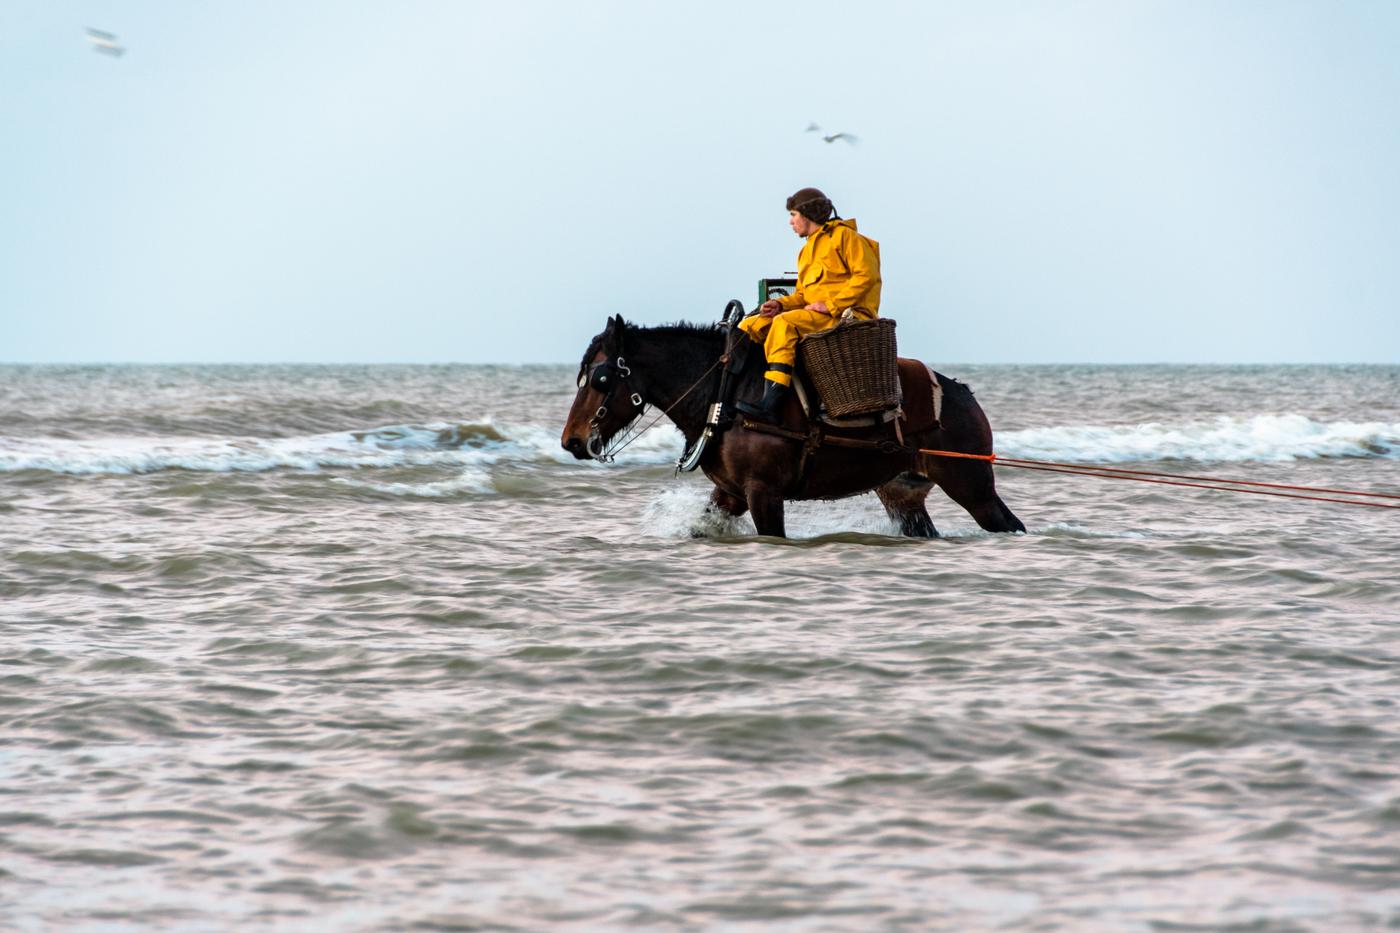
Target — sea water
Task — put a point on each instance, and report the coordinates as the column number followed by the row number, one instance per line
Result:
column 360, row 647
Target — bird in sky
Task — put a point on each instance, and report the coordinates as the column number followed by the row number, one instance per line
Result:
column 105, row 43
column 814, row 128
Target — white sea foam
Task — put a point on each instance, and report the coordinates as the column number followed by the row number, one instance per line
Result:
column 1226, row 439
column 680, row 512
column 468, row 480
column 471, row 445
column 484, row 444
column 1072, row 530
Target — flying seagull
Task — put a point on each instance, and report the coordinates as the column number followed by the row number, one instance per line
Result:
column 814, row 128
column 105, row 43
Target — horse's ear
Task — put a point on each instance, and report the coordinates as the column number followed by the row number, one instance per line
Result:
column 613, row 321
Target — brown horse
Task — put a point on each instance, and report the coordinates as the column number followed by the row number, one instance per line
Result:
column 674, row 368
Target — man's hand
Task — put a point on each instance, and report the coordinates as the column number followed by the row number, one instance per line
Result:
column 769, row 308
column 819, row 306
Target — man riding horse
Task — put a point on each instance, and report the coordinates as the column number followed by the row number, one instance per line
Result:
column 838, row 270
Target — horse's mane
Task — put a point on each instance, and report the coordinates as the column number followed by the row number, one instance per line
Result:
column 705, row 341
column 678, row 328
column 674, row 329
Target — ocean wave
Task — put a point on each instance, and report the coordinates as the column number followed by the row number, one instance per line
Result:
column 1277, row 437
column 473, row 445
column 483, row 444
column 469, row 480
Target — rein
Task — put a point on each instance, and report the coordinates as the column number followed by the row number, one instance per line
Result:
column 610, row 454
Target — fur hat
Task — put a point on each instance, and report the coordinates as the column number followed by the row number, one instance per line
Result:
column 812, row 204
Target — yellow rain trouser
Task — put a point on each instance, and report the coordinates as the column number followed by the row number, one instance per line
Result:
column 779, row 335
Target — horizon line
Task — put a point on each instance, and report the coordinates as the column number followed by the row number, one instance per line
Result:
column 292, row 362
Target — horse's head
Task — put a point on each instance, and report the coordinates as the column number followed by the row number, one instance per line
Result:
column 607, row 399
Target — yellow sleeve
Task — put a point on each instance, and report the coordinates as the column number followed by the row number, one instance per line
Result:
column 864, row 264
column 798, row 298
column 795, row 300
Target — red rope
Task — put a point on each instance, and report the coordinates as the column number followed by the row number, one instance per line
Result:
column 1231, row 482
column 1144, row 476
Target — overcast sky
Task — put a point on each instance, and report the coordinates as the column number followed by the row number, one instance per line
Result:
column 425, row 180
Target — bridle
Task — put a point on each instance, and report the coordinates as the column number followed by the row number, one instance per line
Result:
column 606, row 376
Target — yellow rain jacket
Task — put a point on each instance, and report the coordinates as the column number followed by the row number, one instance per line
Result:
column 838, row 266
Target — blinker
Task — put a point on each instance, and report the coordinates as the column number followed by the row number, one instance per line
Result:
column 599, row 375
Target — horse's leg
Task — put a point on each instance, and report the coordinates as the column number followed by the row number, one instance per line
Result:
column 766, row 507
column 1009, row 517
column 903, row 498
column 719, row 511
column 729, row 504
column 971, row 485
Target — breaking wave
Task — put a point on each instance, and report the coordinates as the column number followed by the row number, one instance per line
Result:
column 1222, row 439
column 477, row 444
column 484, row 444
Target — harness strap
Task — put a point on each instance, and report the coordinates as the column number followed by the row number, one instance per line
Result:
column 835, row 440
column 816, row 438
column 809, row 447
column 762, row 427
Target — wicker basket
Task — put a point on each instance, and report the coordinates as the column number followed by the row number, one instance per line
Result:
column 854, row 367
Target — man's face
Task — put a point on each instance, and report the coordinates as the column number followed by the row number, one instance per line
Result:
column 801, row 225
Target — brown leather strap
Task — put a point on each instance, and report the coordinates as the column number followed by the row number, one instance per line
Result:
column 762, row 427
column 815, row 438
column 835, row 440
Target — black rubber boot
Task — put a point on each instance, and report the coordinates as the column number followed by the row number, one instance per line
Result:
column 766, row 409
